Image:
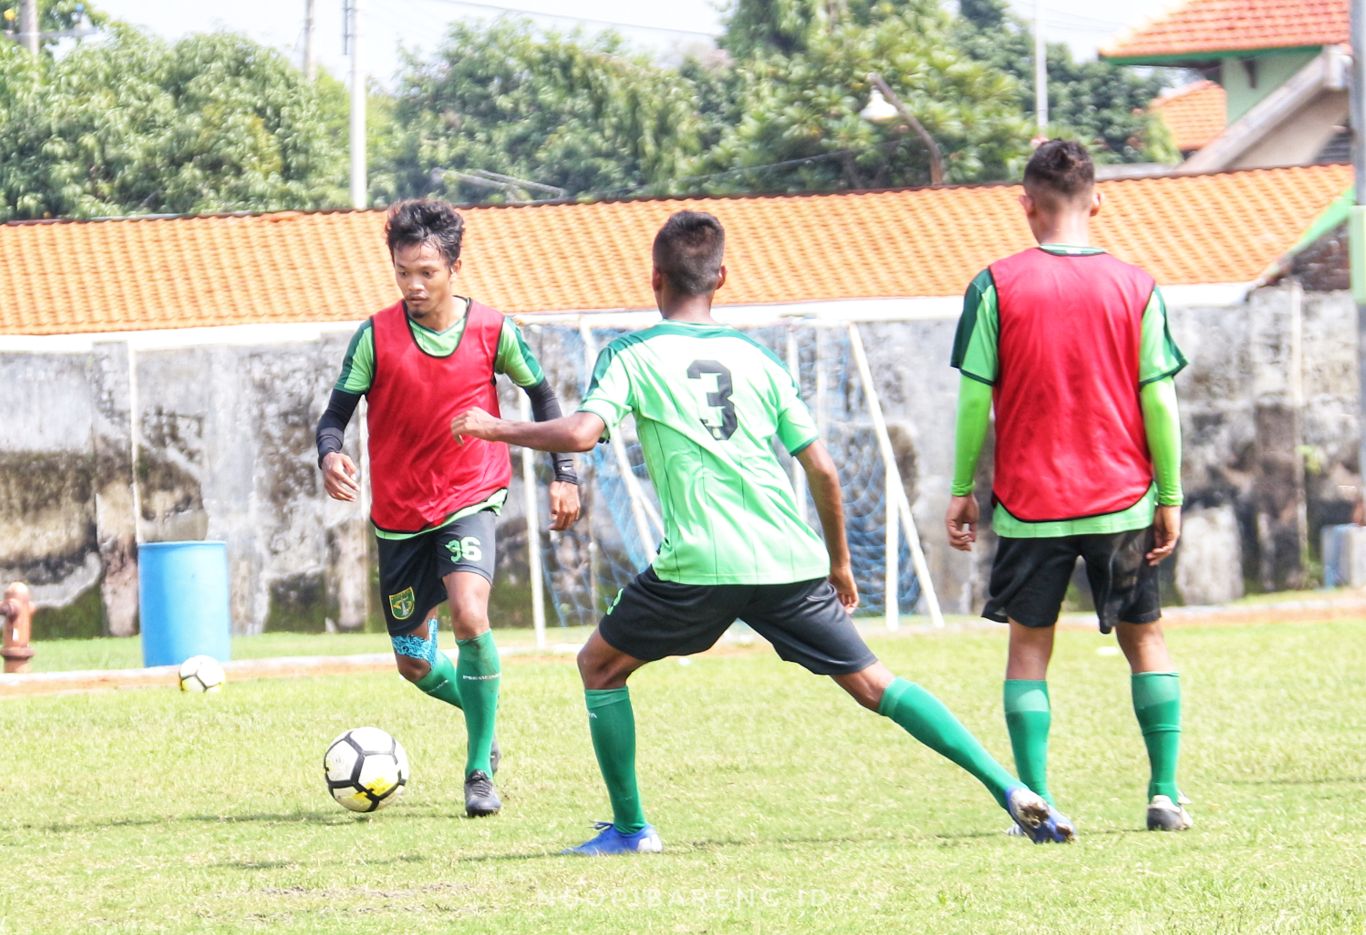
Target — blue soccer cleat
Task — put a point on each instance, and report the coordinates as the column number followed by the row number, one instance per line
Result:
column 611, row 841
column 1036, row 819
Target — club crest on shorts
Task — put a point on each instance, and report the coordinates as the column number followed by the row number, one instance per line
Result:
column 402, row 604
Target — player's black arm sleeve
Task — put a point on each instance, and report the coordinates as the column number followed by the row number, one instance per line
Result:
column 545, row 405
column 332, row 426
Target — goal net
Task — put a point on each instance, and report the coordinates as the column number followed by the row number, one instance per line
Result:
column 581, row 570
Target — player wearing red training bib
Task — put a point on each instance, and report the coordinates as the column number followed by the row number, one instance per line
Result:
column 1071, row 348
column 434, row 503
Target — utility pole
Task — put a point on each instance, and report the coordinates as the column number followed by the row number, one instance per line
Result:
column 310, row 61
column 1040, row 71
column 358, row 186
column 1356, row 228
column 28, row 25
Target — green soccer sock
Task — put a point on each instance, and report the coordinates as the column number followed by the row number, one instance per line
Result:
column 1028, row 718
column 479, row 674
column 926, row 719
column 1157, row 704
column 441, row 682
column 612, row 725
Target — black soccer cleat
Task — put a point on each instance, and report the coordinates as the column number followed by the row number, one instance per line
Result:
column 1166, row 815
column 480, row 797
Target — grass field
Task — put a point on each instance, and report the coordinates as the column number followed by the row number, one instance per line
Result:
column 126, row 652
column 783, row 807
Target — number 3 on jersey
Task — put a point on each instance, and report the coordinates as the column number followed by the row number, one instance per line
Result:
column 719, row 399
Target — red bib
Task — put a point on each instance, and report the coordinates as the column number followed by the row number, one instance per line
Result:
column 419, row 474
column 1070, row 441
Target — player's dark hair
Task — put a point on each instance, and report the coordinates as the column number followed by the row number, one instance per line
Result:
column 425, row 220
column 689, row 250
column 1061, row 168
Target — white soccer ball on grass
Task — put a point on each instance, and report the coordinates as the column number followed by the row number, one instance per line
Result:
column 365, row 768
column 201, row 674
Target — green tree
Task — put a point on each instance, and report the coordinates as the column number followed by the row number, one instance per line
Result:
column 134, row 125
column 1103, row 104
column 789, row 26
column 783, row 26
column 800, row 129
column 584, row 116
column 54, row 16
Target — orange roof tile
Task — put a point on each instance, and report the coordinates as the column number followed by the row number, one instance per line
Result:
column 1196, row 114
column 1206, row 28
column 124, row 275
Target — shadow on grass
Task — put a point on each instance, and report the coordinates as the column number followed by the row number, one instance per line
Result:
column 346, row 861
column 312, row 818
column 699, row 845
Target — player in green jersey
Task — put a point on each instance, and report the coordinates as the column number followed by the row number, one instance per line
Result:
column 1071, row 348
column 707, row 401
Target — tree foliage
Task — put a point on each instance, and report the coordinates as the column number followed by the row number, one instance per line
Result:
column 133, row 125
column 1100, row 103
column 54, row 17
column 504, row 112
column 800, row 128
column 581, row 115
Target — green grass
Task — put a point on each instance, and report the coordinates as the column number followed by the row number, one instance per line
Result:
column 126, row 652
column 783, row 807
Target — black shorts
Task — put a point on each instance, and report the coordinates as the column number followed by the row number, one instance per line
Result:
column 1029, row 578
column 410, row 570
column 804, row 621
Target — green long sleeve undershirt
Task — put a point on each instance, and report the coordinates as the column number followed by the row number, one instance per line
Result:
column 1161, row 422
column 974, row 417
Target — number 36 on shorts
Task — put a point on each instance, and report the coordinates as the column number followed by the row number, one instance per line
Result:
column 465, row 550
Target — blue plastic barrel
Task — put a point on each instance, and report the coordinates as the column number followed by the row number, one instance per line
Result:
column 183, row 601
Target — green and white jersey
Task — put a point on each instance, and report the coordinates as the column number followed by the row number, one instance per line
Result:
column 707, row 401
column 514, row 358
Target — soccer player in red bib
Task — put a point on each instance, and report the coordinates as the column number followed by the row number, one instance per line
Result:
column 709, row 403
column 1071, row 347
column 434, row 502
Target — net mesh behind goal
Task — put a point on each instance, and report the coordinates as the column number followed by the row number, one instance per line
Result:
column 619, row 529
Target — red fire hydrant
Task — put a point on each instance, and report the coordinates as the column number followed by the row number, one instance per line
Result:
column 16, row 616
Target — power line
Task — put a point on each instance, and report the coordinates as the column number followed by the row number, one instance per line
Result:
column 739, row 170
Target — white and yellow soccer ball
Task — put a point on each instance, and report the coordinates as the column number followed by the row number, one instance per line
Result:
column 365, row 768
column 201, row 674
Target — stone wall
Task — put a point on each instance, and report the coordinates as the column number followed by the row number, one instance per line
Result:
column 220, row 440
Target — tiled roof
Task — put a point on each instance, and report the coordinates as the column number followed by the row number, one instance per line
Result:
column 1195, row 114
column 122, row 275
column 1205, row 28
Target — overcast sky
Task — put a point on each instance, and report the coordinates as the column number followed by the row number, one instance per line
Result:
column 419, row 24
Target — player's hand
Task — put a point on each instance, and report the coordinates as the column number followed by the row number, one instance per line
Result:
column 961, row 522
column 564, row 505
column 842, row 578
column 340, row 477
column 1166, row 532
column 476, row 423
